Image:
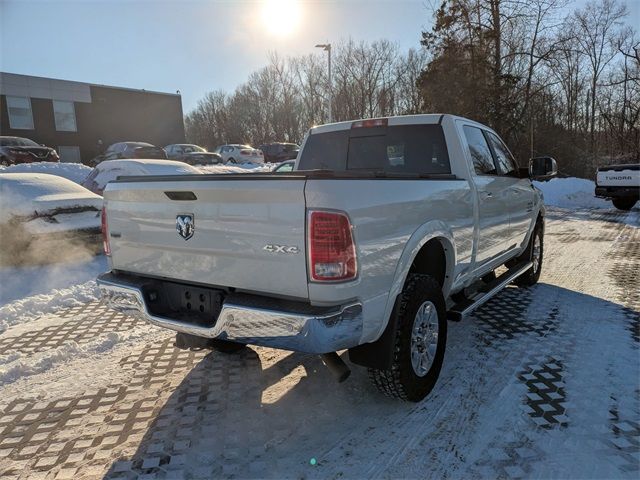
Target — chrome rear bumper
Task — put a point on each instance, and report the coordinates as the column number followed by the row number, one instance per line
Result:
column 329, row 330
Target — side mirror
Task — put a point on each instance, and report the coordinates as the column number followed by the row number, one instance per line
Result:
column 542, row 167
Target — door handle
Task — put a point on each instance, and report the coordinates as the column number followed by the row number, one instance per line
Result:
column 486, row 194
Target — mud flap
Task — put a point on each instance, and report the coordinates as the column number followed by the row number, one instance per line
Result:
column 378, row 354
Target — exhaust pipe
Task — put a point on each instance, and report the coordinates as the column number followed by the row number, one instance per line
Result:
column 336, row 365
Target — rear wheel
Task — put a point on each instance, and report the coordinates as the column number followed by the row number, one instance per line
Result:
column 419, row 346
column 232, row 160
column 624, row 203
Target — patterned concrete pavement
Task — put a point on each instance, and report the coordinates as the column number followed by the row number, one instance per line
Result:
column 539, row 382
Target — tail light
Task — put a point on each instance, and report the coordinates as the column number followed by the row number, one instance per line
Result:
column 105, row 233
column 332, row 253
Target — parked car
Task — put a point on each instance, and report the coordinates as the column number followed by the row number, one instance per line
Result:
column 620, row 184
column 41, row 214
column 178, row 150
column 285, row 167
column 389, row 227
column 14, row 150
column 129, row 150
column 109, row 170
column 202, row 158
column 279, row 152
column 239, row 154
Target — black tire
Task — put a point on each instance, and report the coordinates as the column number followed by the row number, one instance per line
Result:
column 624, row 203
column 401, row 380
column 531, row 276
column 231, row 160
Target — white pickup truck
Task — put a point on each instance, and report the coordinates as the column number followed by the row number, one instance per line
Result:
column 620, row 184
column 385, row 229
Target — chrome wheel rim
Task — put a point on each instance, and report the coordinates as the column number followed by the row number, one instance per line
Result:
column 536, row 254
column 424, row 338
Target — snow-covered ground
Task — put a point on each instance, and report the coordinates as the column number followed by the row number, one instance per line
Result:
column 540, row 382
column 34, row 290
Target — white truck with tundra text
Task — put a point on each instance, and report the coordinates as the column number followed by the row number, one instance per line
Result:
column 620, row 184
column 385, row 229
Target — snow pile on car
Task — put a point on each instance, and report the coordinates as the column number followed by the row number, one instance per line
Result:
column 27, row 194
column 571, row 193
column 241, row 168
column 76, row 172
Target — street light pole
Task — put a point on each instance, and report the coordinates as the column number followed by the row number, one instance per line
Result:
column 327, row 48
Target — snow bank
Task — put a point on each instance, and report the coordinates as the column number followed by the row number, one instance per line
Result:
column 76, row 172
column 571, row 193
column 29, row 308
column 27, row 281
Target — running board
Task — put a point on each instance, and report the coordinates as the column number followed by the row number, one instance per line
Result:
column 464, row 308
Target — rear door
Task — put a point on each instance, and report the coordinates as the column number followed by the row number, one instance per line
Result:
column 493, row 196
column 245, row 233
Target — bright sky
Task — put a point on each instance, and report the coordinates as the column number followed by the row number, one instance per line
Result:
column 191, row 46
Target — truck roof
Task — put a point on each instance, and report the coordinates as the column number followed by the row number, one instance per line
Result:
column 424, row 118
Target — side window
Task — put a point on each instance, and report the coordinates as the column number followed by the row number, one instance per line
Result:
column 64, row 114
column 20, row 114
column 480, row 151
column 504, row 160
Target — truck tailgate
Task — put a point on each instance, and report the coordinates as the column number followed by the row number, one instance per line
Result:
column 619, row 176
column 248, row 233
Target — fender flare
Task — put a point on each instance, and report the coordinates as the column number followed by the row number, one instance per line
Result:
column 435, row 229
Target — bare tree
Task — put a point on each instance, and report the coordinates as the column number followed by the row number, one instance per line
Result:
column 597, row 23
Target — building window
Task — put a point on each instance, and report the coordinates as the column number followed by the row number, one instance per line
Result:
column 20, row 116
column 65, row 116
column 69, row 154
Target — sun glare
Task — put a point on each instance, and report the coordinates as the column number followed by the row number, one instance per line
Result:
column 281, row 17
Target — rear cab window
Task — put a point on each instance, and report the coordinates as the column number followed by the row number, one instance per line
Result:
column 402, row 149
